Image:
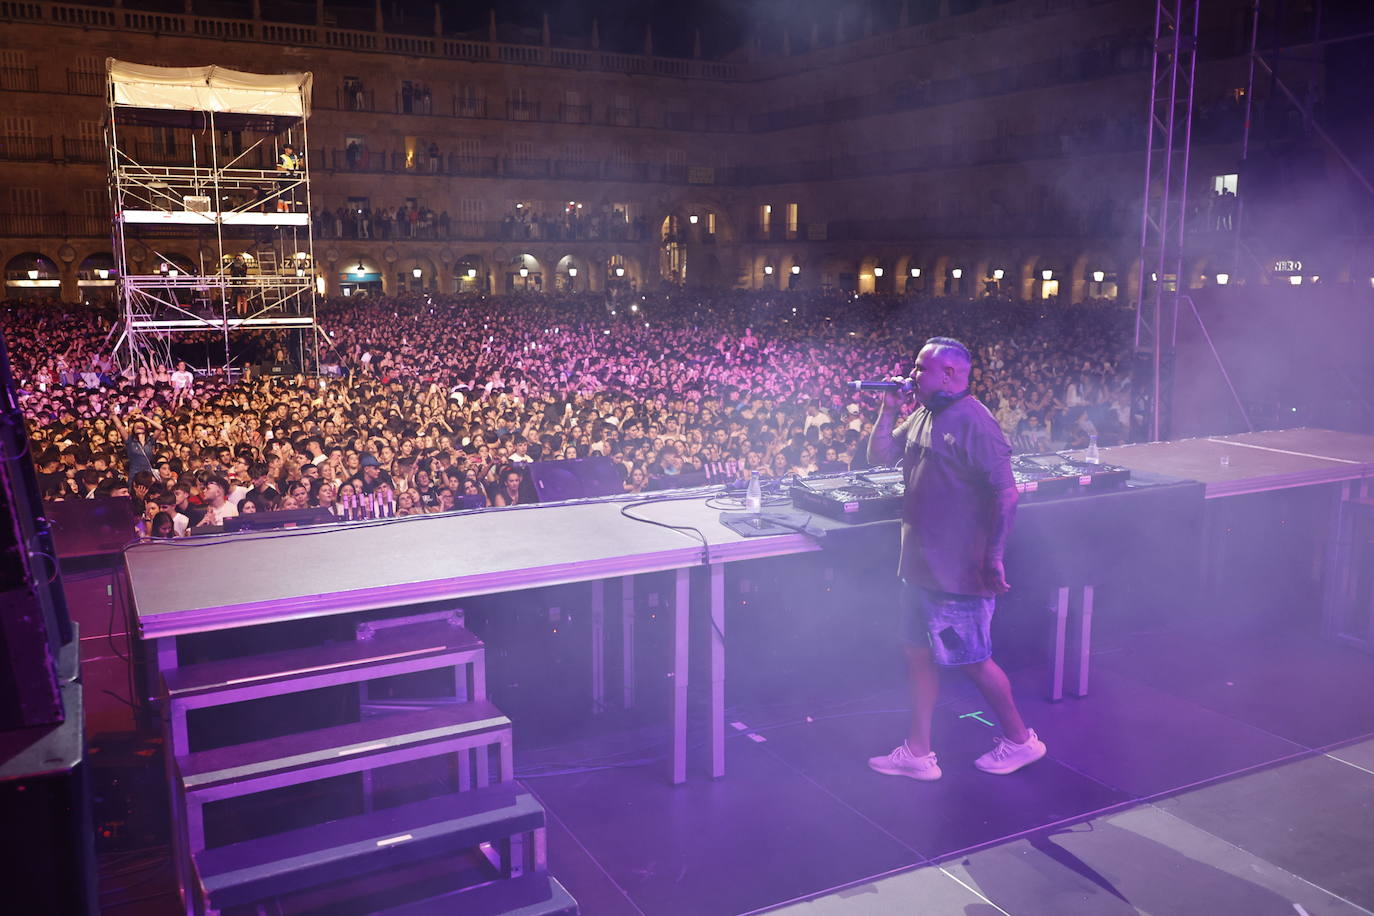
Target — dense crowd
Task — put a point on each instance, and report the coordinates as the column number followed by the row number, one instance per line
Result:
column 441, row 402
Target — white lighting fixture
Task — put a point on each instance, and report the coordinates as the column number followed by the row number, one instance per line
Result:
column 957, row 273
column 768, row 269
column 172, row 273
column 915, row 272
column 877, row 271
column 360, row 269
column 693, row 219
column 472, row 273
column 1154, row 277
column 524, row 271
column 301, row 256
column 102, row 273
column 1046, row 274
column 620, row 271
column 998, row 274
column 416, row 272
column 1223, row 279
column 33, row 275
column 572, row 271
column 796, row 269
column 1295, row 280
column 1099, row 276
column 634, row 306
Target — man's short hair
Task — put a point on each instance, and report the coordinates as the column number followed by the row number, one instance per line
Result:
column 943, row 344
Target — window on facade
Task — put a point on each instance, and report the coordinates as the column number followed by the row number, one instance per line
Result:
column 522, row 107
column 26, row 200
column 792, row 217
column 522, row 149
column 765, row 219
column 95, row 201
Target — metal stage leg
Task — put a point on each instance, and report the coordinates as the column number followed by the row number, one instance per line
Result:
column 717, row 670
column 598, row 645
column 627, row 639
column 1061, row 621
column 1084, row 639
column 682, row 615
column 164, row 658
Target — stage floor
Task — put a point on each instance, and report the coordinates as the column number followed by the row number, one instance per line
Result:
column 1219, row 767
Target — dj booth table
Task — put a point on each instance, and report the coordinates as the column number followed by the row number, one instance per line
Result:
column 244, row 580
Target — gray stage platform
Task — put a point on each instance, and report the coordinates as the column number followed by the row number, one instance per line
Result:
column 230, row 581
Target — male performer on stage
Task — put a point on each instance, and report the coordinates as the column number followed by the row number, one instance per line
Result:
column 957, row 513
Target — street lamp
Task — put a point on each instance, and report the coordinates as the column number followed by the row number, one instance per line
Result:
column 957, row 273
column 620, row 271
column 572, row 271
column 998, row 274
column 1046, row 274
column 416, row 272
column 915, row 273
column 796, row 269
column 524, row 271
column 1099, row 276
column 472, row 273
column 1223, row 279
column 693, row 219
column 768, row 269
column 877, row 271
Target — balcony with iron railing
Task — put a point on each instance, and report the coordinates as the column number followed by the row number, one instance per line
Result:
column 84, row 82
column 522, row 110
column 83, row 149
column 575, row 114
column 464, row 107
column 321, row 35
column 19, row 79
column 26, row 149
column 53, row 225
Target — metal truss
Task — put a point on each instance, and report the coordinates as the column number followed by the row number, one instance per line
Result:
column 1163, row 217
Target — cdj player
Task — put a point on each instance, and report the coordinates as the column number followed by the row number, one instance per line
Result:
column 876, row 494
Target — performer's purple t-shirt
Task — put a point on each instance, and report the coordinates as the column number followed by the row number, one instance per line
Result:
column 955, row 462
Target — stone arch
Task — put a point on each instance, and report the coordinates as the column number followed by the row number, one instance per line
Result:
column 472, row 273
column 33, row 274
column 522, row 272
column 405, row 274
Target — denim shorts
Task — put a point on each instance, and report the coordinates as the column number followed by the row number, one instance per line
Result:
column 955, row 627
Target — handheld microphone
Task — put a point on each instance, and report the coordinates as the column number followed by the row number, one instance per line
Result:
column 904, row 386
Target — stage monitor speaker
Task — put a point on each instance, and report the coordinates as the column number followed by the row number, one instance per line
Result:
column 91, row 527
column 282, row 518
column 678, row 481
column 575, row 478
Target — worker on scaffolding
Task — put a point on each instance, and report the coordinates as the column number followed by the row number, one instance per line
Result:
column 289, row 164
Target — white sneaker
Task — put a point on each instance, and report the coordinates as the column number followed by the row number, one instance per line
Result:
column 1008, row 757
column 901, row 762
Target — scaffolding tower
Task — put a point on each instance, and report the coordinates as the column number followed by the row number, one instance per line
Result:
column 216, row 157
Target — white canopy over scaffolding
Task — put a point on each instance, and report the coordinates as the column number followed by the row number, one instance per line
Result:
column 216, row 89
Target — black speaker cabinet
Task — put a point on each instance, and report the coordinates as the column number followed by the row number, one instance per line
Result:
column 575, row 478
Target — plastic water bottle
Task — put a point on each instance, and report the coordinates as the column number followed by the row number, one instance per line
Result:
column 753, row 497
column 1092, row 456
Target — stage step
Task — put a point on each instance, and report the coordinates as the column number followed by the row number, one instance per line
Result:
column 338, row 850
column 241, row 769
column 530, row 895
column 391, row 651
